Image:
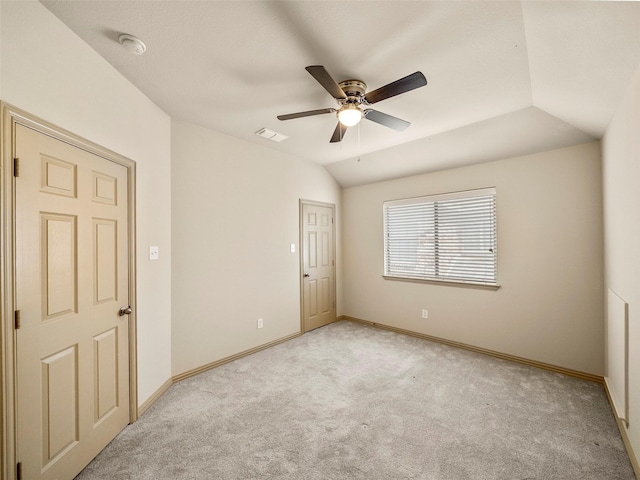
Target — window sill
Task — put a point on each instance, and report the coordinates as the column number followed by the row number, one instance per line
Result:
column 449, row 283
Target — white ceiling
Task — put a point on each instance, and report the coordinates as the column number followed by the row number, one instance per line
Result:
column 504, row 78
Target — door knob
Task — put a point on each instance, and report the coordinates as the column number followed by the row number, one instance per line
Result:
column 124, row 311
column 306, row 275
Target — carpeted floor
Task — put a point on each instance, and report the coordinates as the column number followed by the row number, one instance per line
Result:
column 349, row 401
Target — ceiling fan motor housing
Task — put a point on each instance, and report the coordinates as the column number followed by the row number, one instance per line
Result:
column 354, row 89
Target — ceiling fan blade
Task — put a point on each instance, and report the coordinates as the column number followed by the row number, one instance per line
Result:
column 386, row 120
column 308, row 113
column 410, row 82
column 338, row 133
column 323, row 78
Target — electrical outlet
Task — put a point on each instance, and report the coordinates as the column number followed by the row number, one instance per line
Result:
column 260, row 323
column 425, row 313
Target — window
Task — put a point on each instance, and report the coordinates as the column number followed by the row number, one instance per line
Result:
column 449, row 237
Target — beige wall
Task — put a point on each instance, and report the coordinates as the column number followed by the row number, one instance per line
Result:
column 49, row 72
column 235, row 214
column 621, row 185
column 550, row 261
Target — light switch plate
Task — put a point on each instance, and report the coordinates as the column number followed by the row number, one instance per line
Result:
column 154, row 252
column 293, row 248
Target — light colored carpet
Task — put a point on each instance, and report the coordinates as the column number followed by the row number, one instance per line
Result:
column 348, row 401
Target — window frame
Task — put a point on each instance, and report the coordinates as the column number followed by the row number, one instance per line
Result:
column 427, row 200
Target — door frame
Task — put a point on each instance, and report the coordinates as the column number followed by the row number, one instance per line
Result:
column 332, row 206
column 10, row 117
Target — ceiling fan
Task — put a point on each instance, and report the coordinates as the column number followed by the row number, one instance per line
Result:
column 351, row 98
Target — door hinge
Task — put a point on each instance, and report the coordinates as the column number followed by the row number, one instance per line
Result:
column 16, row 319
column 16, row 167
column 19, row 471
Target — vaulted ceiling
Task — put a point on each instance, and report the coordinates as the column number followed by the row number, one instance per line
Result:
column 505, row 78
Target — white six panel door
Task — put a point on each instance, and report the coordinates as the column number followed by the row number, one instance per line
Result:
column 72, row 352
column 319, row 266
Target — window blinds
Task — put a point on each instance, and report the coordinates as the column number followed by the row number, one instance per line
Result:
column 450, row 237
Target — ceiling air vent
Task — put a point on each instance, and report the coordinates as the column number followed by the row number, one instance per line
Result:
column 271, row 135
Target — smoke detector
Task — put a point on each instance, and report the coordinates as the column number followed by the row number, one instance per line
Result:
column 132, row 44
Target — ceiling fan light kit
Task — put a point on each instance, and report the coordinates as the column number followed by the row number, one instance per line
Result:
column 351, row 96
column 349, row 115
